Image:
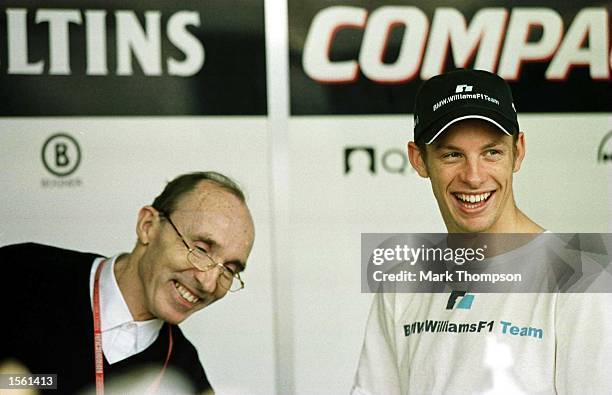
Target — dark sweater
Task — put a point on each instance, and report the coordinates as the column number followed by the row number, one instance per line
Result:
column 47, row 322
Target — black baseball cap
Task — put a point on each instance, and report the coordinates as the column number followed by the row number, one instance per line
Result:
column 463, row 94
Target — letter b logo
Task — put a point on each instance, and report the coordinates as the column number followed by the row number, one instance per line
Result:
column 61, row 155
column 61, row 158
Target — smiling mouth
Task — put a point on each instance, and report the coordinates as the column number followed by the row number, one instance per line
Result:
column 473, row 201
column 185, row 294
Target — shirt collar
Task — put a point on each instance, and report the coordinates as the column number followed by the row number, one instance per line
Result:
column 113, row 308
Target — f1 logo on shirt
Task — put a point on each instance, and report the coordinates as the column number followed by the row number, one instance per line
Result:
column 463, row 88
column 465, row 302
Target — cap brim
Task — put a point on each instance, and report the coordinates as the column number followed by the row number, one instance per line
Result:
column 495, row 118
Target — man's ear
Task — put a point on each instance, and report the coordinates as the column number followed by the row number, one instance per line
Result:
column 148, row 221
column 519, row 152
column 417, row 160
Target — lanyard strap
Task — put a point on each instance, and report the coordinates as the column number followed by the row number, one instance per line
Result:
column 99, row 359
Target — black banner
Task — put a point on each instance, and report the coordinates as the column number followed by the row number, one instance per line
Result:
column 369, row 57
column 132, row 58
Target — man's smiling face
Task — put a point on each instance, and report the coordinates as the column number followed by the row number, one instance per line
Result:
column 211, row 220
column 470, row 168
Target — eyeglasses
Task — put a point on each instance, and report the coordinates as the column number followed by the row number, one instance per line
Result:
column 228, row 279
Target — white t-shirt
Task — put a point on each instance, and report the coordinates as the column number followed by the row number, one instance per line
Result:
column 487, row 343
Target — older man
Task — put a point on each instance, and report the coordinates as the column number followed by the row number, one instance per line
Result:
column 90, row 319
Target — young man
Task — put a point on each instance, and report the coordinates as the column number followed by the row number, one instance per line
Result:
column 192, row 244
column 468, row 143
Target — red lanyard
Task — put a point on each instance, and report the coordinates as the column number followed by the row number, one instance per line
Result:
column 99, row 359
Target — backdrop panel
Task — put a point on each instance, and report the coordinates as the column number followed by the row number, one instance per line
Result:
column 78, row 182
column 350, row 173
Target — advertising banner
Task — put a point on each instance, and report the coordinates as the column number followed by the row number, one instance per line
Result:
column 369, row 57
column 132, row 58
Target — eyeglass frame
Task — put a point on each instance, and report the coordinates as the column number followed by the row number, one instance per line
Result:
column 236, row 276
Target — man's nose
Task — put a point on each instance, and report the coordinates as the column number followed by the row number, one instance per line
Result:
column 473, row 173
column 209, row 280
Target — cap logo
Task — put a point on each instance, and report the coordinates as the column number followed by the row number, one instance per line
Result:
column 463, row 94
column 463, row 88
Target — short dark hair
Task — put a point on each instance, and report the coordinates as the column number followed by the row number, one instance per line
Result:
column 167, row 201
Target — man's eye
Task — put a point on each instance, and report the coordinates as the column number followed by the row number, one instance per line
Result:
column 493, row 152
column 200, row 251
column 451, row 155
column 231, row 269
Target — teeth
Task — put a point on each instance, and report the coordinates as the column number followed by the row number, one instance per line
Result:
column 473, row 198
column 185, row 293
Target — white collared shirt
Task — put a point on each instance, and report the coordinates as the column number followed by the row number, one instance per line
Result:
column 122, row 337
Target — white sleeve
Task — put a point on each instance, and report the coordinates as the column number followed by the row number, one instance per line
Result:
column 377, row 372
column 584, row 344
